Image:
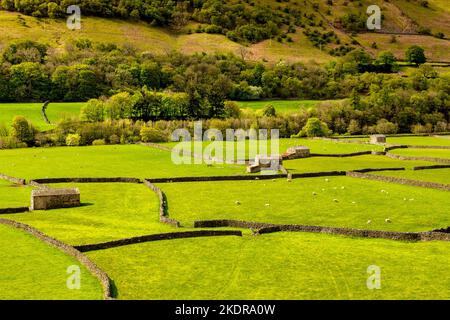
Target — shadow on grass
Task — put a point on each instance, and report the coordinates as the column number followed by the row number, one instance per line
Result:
column 86, row 204
column 114, row 289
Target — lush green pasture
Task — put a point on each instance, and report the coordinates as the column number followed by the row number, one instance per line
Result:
column 419, row 141
column 334, row 201
column 281, row 106
column 411, row 140
column 109, row 212
column 34, row 270
column 434, row 153
column 236, row 150
column 32, row 111
column 317, row 164
column 12, row 195
column 278, row 266
column 102, row 161
column 434, row 175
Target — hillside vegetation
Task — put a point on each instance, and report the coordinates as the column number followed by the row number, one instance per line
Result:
column 266, row 30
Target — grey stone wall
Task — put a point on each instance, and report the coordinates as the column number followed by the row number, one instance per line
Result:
column 394, row 156
column 13, row 210
column 12, row 179
column 415, row 183
column 270, row 228
column 341, row 155
column 157, row 237
column 163, row 212
column 439, row 166
column 87, row 180
column 217, row 178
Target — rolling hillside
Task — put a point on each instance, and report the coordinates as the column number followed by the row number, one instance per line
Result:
column 302, row 41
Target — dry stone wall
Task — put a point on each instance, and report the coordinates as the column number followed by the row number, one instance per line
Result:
column 394, row 156
column 86, row 180
column 439, row 166
column 415, row 183
column 163, row 212
column 12, row 179
column 13, row 210
column 270, row 228
column 157, row 237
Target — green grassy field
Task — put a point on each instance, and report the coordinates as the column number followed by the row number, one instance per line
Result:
column 281, row 106
column 348, row 164
column 435, row 175
column 411, row 140
column 32, row 112
column 103, row 161
column 277, row 266
column 253, row 147
column 419, row 141
column 13, row 195
column 32, row 270
column 338, row 202
column 104, row 216
column 434, row 153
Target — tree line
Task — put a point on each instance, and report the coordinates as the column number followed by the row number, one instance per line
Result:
column 141, row 86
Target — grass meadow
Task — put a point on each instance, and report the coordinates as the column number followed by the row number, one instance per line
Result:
column 13, row 195
column 277, row 266
column 434, row 153
column 435, row 175
column 272, row 266
column 33, row 270
column 233, row 150
column 413, row 140
column 348, row 164
column 108, row 212
column 103, row 161
column 32, row 112
column 334, row 202
column 281, row 106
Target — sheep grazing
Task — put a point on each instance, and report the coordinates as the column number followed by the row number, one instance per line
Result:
column 369, row 221
column 314, row 194
column 267, row 204
column 327, row 180
column 342, row 187
column 335, row 200
column 238, row 203
column 388, row 220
